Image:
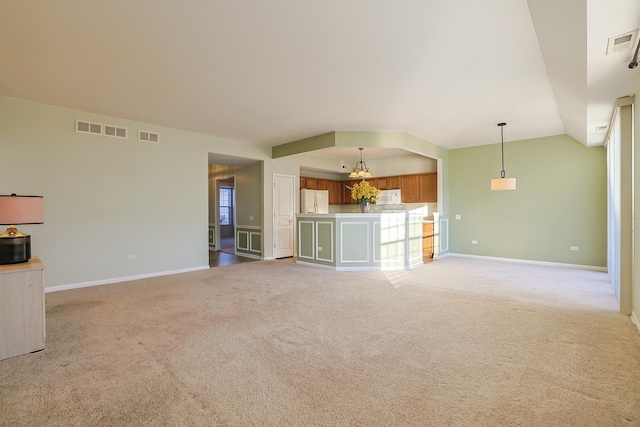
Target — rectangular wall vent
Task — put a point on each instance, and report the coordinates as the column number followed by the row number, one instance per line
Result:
column 115, row 131
column 88, row 127
column 146, row 136
column 100, row 129
column 622, row 42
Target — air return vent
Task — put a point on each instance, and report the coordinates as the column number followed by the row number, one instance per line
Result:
column 146, row 136
column 115, row 131
column 622, row 42
column 88, row 127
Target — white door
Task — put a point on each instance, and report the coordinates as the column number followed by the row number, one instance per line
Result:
column 283, row 210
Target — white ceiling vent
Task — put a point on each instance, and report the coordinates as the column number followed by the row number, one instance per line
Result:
column 115, row 131
column 88, row 127
column 622, row 42
column 603, row 128
column 146, row 136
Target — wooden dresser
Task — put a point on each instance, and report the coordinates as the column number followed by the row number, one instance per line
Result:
column 22, row 321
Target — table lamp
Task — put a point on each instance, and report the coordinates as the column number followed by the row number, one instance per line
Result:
column 15, row 247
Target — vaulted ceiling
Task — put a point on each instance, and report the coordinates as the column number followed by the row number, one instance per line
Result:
column 270, row 72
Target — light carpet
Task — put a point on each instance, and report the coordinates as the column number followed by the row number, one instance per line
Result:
column 456, row 342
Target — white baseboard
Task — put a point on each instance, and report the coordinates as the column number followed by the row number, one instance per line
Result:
column 635, row 321
column 121, row 279
column 528, row 261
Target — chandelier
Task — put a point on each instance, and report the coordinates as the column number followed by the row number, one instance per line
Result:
column 361, row 170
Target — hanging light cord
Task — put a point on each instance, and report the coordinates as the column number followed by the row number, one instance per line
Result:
column 634, row 61
column 502, row 125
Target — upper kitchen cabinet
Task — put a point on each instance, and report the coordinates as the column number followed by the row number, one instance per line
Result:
column 419, row 188
column 388, row 183
column 335, row 192
column 409, row 184
column 311, row 183
column 428, row 184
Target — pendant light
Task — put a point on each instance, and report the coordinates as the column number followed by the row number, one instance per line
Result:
column 503, row 183
column 361, row 170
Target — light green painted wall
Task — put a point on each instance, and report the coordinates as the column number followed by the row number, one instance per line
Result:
column 560, row 201
column 107, row 198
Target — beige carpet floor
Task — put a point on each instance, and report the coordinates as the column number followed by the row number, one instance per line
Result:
column 456, row 342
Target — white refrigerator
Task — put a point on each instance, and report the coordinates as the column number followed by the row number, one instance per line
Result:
column 314, row 201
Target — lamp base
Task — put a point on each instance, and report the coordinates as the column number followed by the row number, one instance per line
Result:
column 14, row 250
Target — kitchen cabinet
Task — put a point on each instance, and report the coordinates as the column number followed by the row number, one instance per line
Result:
column 428, row 185
column 427, row 239
column 388, row 183
column 335, row 192
column 373, row 182
column 322, row 184
column 311, row 183
column 346, row 193
column 416, row 188
column 409, row 184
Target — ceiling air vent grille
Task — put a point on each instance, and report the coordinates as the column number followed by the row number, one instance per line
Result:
column 115, row 131
column 146, row 136
column 622, row 42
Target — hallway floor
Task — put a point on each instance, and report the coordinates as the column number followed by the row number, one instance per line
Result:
column 220, row 259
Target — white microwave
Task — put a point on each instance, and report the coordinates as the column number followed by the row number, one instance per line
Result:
column 390, row 197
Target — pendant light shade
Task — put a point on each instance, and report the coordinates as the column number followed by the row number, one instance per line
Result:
column 502, row 183
column 361, row 170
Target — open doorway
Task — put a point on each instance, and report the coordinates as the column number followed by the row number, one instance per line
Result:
column 226, row 214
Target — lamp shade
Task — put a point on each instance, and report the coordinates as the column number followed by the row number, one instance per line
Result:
column 499, row 184
column 21, row 210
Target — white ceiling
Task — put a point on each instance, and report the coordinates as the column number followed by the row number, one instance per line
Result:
column 270, row 72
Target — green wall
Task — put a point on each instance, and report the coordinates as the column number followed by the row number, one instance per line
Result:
column 560, row 202
column 108, row 198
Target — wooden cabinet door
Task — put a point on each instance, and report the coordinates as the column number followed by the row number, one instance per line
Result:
column 383, row 183
column 346, row 193
column 409, row 185
column 427, row 240
column 373, row 182
column 428, row 187
column 302, row 182
column 322, row 184
column 335, row 192
column 393, row 182
column 311, row 183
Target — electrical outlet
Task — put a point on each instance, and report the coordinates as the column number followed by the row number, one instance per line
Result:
column 132, row 257
column 458, row 216
column 474, row 242
column 319, row 248
column 250, row 217
column 574, row 248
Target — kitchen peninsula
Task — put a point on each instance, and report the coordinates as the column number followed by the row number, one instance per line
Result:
column 360, row 241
